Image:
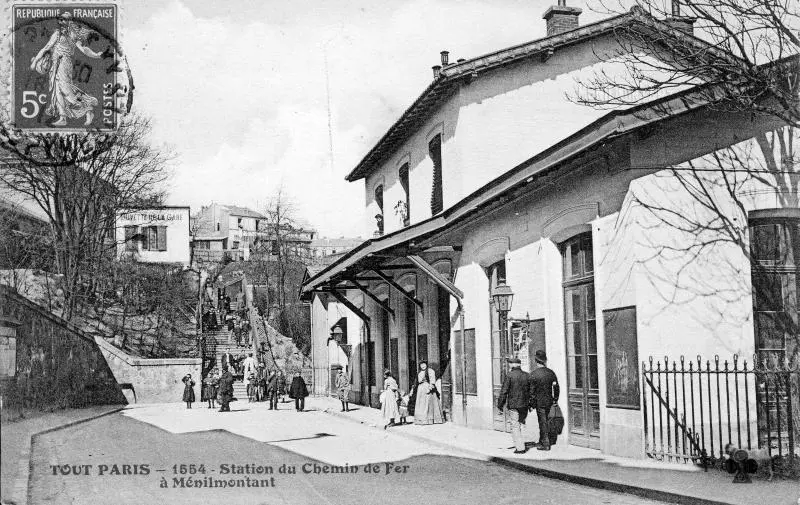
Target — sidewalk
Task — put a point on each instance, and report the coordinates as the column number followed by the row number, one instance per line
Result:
column 671, row 482
column 15, row 446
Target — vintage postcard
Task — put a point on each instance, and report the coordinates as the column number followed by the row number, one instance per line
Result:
column 422, row 251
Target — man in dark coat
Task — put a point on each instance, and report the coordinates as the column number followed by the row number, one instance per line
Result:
column 544, row 393
column 272, row 390
column 298, row 391
column 515, row 396
column 225, row 390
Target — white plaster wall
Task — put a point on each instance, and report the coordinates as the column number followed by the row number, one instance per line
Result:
column 489, row 126
column 176, row 219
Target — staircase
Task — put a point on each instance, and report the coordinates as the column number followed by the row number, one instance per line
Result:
column 225, row 343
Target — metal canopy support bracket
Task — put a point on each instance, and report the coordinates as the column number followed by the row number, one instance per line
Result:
column 358, row 312
column 436, row 276
column 383, row 305
column 398, row 287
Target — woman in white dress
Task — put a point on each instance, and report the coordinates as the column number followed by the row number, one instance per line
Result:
column 389, row 397
column 67, row 101
column 427, row 410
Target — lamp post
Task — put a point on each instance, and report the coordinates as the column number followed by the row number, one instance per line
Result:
column 503, row 297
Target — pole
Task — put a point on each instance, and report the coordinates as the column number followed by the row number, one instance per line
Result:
column 463, row 364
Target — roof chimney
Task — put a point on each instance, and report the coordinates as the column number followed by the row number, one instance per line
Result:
column 678, row 21
column 437, row 69
column 445, row 58
column 561, row 18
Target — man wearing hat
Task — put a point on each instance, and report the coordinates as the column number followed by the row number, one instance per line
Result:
column 515, row 396
column 544, row 393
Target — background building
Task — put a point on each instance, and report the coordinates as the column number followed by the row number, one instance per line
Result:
column 154, row 235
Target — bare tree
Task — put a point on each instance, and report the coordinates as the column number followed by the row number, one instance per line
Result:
column 740, row 58
column 278, row 263
column 744, row 53
column 81, row 199
column 737, row 56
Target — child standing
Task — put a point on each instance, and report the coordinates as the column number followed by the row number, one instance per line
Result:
column 209, row 389
column 188, row 391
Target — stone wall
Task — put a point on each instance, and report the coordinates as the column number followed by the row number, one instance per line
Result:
column 152, row 380
column 56, row 365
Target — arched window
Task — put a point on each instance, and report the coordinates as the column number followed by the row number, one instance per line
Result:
column 379, row 197
column 379, row 203
column 404, row 182
column 435, row 151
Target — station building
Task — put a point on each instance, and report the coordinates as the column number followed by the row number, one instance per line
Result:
column 581, row 219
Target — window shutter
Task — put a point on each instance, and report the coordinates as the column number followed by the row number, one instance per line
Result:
column 161, row 232
column 130, row 243
column 146, row 238
column 435, row 150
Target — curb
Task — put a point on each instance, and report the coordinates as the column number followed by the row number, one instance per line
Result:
column 416, row 438
column 643, row 492
column 22, row 484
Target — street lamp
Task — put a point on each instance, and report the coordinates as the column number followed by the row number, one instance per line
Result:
column 502, row 296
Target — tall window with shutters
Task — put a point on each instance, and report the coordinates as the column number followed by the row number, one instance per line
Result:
column 775, row 263
column 437, row 196
column 404, row 182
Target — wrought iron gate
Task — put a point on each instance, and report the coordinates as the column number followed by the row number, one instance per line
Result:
column 692, row 412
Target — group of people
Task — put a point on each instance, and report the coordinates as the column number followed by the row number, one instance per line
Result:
column 524, row 392
column 423, row 402
column 215, row 387
column 262, row 386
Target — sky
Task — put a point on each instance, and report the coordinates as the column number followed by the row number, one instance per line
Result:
column 238, row 89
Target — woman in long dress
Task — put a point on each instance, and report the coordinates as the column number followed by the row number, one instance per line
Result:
column 343, row 390
column 389, row 397
column 427, row 410
column 56, row 59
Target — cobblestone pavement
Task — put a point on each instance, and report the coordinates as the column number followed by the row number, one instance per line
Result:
column 164, row 437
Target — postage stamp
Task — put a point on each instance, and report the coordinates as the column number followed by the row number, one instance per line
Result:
column 66, row 67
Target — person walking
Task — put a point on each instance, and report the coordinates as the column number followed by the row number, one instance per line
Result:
column 281, row 386
column 250, row 365
column 389, row 399
column 208, row 393
column 427, row 409
column 188, row 390
column 225, row 390
column 272, row 390
column 298, row 391
column 544, row 391
column 515, row 395
column 261, row 377
column 343, row 390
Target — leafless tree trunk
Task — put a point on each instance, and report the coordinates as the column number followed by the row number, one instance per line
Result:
column 81, row 200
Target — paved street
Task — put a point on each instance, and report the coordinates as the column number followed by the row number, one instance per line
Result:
column 163, row 436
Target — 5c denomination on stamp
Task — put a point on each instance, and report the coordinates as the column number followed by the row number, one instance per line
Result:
column 68, row 69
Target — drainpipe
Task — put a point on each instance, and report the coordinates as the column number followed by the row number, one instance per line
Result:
column 463, row 362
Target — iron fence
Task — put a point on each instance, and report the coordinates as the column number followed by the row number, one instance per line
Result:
column 694, row 411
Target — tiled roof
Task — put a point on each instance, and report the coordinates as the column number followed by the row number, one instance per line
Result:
column 453, row 75
column 336, row 242
column 235, row 210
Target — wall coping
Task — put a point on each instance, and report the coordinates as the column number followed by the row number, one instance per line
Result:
column 137, row 361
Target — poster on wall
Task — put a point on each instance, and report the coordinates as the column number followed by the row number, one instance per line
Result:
column 622, row 358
